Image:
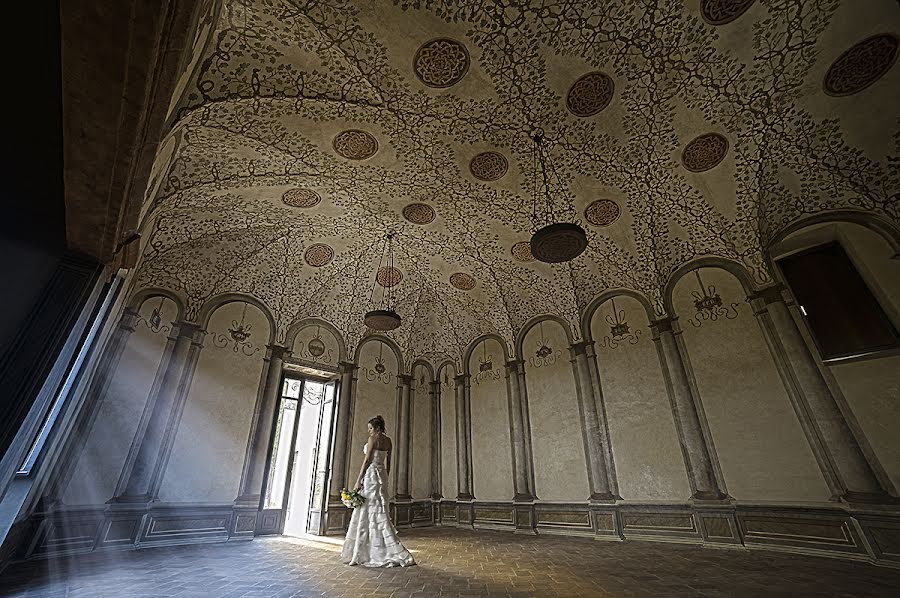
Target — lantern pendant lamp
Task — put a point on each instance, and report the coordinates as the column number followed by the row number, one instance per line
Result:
column 382, row 316
column 554, row 240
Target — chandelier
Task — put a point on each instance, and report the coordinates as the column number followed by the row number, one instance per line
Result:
column 382, row 316
column 555, row 240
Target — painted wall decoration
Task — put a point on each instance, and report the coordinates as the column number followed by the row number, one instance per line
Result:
column 590, row 94
column 862, row 65
column 441, row 62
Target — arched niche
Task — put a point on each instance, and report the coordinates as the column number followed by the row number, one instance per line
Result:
column 421, row 419
column 645, row 445
column 737, row 271
column 211, row 436
column 446, row 375
column 499, row 357
column 761, row 448
column 489, row 409
column 869, row 386
column 97, row 469
column 376, row 394
column 588, row 317
column 316, row 341
column 211, row 306
column 137, row 300
column 560, row 468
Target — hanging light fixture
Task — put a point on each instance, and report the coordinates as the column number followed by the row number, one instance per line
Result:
column 382, row 315
column 554, row 240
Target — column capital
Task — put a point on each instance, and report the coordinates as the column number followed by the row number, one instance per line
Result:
column 773, row 293
column 276, row 351
column 346, row 367
column 461, row 378
column 580, row 348
column 665, row 324
column 405, row 379
column 187, row 329
column 128, row 319
column 434, row 385
column 514, row 365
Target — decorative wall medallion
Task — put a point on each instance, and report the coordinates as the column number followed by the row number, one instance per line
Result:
column 238, row 336
column 486, row 369
column 590, row 94
column 709, row 305
column 354, row 144
column 419, row 213
column 301, row 198
column 462, row 281
column 388, row 276
column 544, row 355
column 861, row 65
column 602, row 212
column 318, row 255
column 488, row 166
column 619, row 331
column 378, row 373
column 704, row 152
column 522, row 251
column 441, row 62
column 720, row 12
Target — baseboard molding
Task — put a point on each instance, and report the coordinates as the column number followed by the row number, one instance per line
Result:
column 839, row 531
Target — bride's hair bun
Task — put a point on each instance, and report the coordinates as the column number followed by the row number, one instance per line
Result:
column 377, row 423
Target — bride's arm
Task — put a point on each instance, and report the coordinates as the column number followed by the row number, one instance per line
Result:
column 365, row 464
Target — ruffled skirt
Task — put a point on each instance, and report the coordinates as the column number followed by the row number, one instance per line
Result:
column 371, row 538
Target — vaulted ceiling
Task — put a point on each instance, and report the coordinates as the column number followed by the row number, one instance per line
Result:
column 302, row 131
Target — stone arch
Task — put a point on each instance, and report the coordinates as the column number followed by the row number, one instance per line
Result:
column 297, row 326
column 139, row 298
column 401, row 364
column 605, row 296
column 889, row 230
column 731, row 266
column 467, row 354
column 526, row 328
column 218, row 301
column 424, row 363
column 445, row 363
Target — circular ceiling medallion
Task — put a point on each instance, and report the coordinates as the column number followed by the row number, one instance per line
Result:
column 441, row 62
column 559, row 242
column 704, row 152
column 488, row 166
column 522, row 251
column 590, row 94
column 462, row 281
column 318, row 255
column 354, row 144
column 602, row 212
column 388, row 276
column 301, row 198
column 419, row 213
column 861, row 65
column 720, row 12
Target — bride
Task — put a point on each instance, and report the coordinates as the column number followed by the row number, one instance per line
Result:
column 371, row 538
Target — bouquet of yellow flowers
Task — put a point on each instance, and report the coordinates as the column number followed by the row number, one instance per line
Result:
column 352, row 498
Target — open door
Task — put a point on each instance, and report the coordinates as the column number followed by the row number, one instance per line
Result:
column 322, row 459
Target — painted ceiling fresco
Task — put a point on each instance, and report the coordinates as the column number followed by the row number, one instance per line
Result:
column 679, row 128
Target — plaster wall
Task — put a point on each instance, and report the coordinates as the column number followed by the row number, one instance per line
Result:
column 871, row 386
column 761, row 447
column 491, row 449
column 211, row 441
column 376, row 394
column 560, row 469
column 449, row 483
column 420, row 435
column 100, row 463
column 645, row 446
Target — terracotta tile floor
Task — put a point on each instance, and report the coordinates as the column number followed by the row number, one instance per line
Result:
column 453, row 563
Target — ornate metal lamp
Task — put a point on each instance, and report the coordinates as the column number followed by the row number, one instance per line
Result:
column 382, row 315
column 555, row 240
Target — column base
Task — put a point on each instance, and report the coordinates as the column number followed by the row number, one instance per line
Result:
column 869, row 499
column 524, row 498
column 247, row 501
column 131, row 499
column 711, row 497
column 465, row 497
column 604, row 497
column 402, row 498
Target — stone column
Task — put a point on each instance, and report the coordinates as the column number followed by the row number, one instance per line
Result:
column 142, row 474
column 519, row 432
column 463, row 439
column 686, row 410
column 849, row 474
column 592, row 426
column 103, row 376
column 251, row 487
column 404, row 389
column 605, row 442
column 341, row 460
column 434, row 393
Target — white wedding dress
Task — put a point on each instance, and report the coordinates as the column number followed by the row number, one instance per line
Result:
column 371, row 538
